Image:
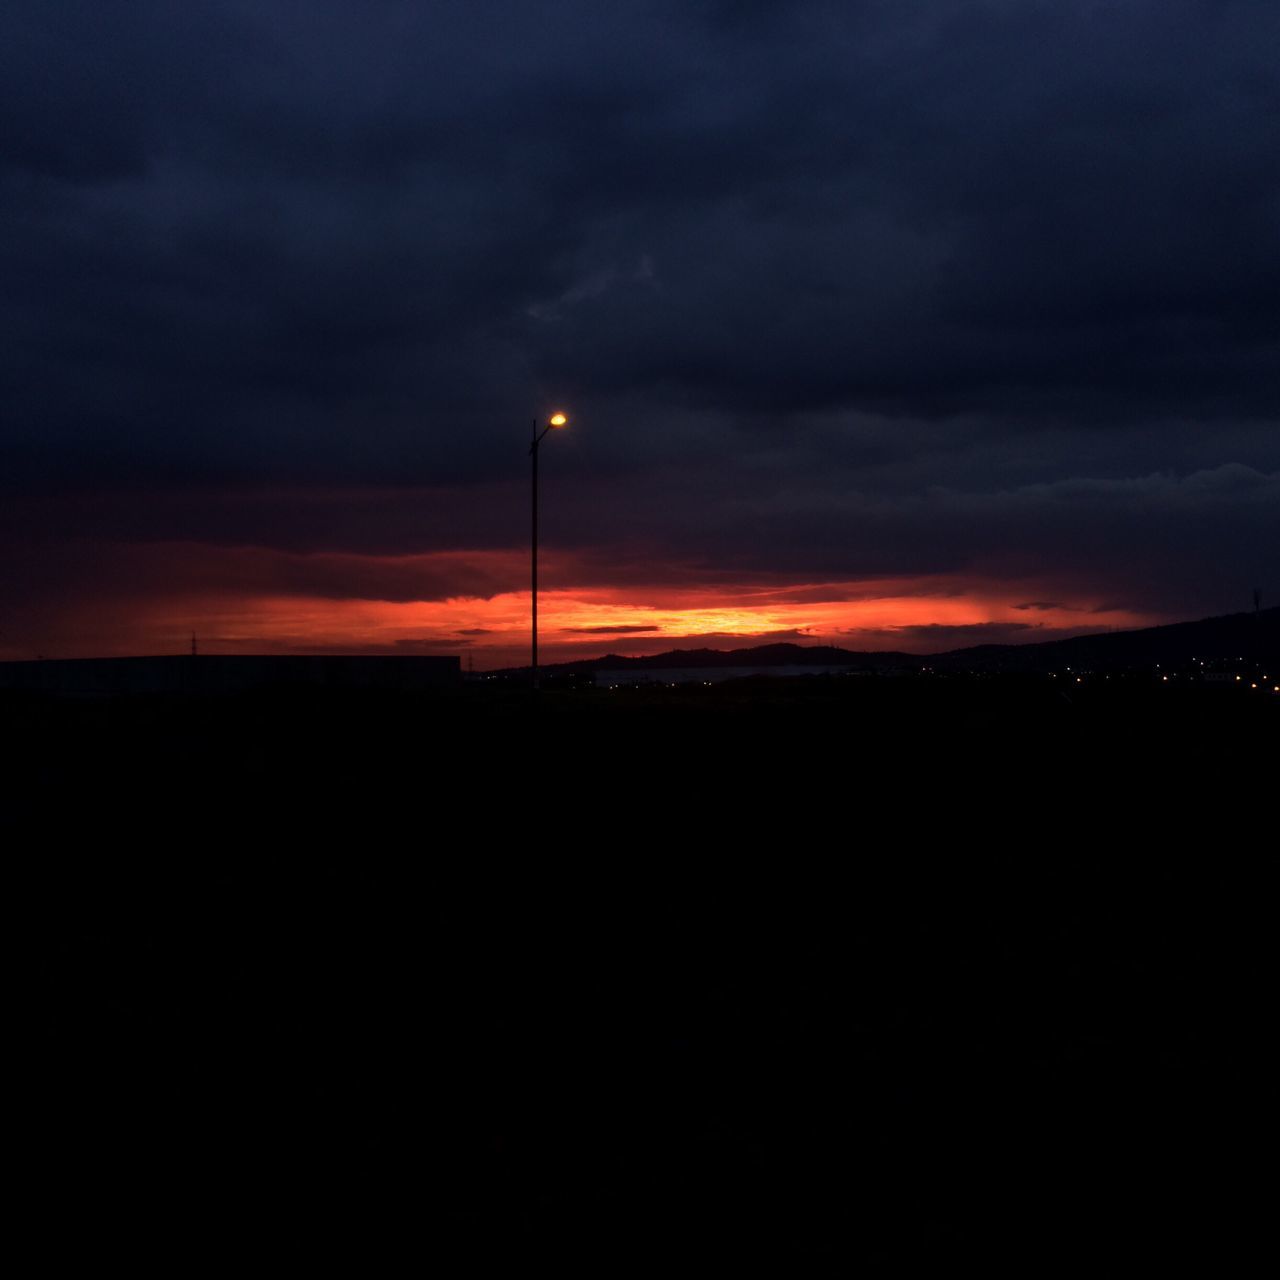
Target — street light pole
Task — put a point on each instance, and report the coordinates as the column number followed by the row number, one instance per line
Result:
column 556, row 420
column 533, row 452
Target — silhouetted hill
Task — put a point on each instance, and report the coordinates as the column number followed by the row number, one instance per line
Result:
column 767, row 655
column 1237, row 635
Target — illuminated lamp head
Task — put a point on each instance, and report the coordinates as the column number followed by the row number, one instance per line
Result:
column 558, row 420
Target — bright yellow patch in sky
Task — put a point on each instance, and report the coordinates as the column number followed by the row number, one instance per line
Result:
column 583, row 624
column 240, row 609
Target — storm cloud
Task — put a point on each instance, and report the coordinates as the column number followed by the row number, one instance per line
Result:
column 832, row 291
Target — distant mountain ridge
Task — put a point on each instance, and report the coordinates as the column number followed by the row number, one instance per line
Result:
column 765, row 655
column 1251, row 635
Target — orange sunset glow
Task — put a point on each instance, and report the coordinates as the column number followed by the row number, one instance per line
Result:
column 916, row 615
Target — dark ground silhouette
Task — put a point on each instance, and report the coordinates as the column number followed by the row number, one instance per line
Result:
column 876, row 971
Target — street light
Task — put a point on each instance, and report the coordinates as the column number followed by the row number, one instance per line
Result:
column 556, row 420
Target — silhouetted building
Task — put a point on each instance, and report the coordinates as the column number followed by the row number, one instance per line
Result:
column 229, row 674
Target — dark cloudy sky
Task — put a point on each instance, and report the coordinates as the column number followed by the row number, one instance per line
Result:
column 886, row 323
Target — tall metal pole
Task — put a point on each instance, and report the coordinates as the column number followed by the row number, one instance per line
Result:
column 556, row 420
column 533, row 453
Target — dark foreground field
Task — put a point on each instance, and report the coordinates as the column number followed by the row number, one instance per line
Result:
column 877, row 972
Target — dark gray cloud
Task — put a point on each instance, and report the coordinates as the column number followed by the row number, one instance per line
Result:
column 832, row 289
column 621, row 629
